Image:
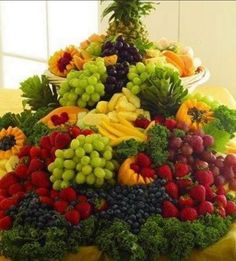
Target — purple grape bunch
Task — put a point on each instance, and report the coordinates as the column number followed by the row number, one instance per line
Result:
column 125, row 52
column 117, row 78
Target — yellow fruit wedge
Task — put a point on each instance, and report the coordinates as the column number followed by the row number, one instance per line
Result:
column 113, row 101
column 151, row 124
column 3, row 163
column 2, row 173
column 11, row 163
column 102, row 107
column 131, row 97
column 106, row 133
column 115, row 131
column 94, row 118
column 123, row 121
column 129, row 131
column 125, row 106
column 128, row 115
column 113, row 116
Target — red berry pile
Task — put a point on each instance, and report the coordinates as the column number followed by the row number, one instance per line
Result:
column 196, row 178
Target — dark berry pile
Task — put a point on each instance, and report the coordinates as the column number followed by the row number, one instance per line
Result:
column 31, row 211
column 133, row 204
column 124, row 51
column 117, row 77
column 7, row 142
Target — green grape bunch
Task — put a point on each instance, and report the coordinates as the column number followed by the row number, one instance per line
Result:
column 88, row 160
column 84, row 88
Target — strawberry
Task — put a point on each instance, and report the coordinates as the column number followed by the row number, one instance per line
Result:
column 141, row 123
column 35, row 164
column 15, row 188
column 185, row 201
column 221, row 211
column 210, row 194
column 181, row 169
column 165, row 172
column 53, row 137
column 35, row 152
column 75, row 131
column 205, row 207
column 54, row 194
column 135, row 167
column 143, row 160
column 46, row 200
column 169, row 209
column 230, row 208
column 60, row 206
column 4, row 192
column 19, row 196
column 7, row 180
column 87, row 132
column 221, row 190
column 198, row 192
column 28, row 186
column 172, row 189
column 24, row 151
column 44, row 154
column 1, row 198
column 201, row 165
column 170, row 124
column 188, row 214
column 221, row 200
column 2, row 214
column 184, row 184
column 159, row 119
column 147, row 172
column 5, row 223
column 22, row 171
column 84, row 209
column 45, row 142
column 40, row 179
column 6, row 203
column 42, row 191
column 73, row 216
column 62, row 140
column 82, row 198
column 204, row 177
column 68, row 194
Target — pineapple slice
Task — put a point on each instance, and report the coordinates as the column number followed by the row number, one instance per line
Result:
column 131, row 97
column 102, row 107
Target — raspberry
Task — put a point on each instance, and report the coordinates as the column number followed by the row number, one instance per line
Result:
column 64, row 117
column 169, row 210
column 73, row 217
column 188, row 214
column 68, row 194
column 165, row 172
column 181, row 169
column 143, row 160
column 56, row 120
column 135, row 167
column 141, row 123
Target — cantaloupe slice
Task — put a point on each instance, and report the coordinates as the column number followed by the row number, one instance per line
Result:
column 173, row 58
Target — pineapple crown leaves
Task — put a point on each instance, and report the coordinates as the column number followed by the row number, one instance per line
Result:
column 128, row 11
column 38, row 93
column 163, row 92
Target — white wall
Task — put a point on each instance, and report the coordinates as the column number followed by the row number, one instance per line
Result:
column 207, row 26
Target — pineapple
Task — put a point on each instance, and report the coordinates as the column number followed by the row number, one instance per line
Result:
column 126, row 18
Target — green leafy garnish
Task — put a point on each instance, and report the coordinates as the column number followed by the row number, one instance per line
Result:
column 39, row 93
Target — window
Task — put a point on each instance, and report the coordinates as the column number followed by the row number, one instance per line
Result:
column 30, row 31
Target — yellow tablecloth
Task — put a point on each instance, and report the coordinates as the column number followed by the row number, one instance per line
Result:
column 223, row 250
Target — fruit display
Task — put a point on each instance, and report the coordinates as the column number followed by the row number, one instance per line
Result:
column 120, row 162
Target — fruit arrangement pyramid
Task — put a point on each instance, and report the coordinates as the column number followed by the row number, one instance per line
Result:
column 119, row 161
